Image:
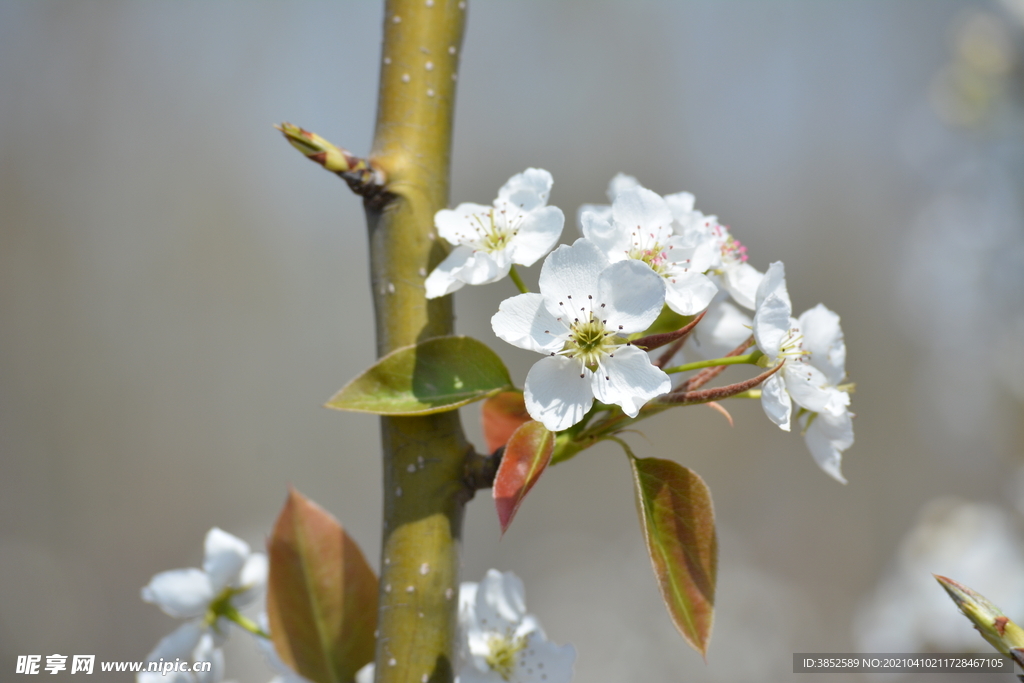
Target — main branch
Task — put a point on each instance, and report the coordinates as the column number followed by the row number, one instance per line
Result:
column 424, row 493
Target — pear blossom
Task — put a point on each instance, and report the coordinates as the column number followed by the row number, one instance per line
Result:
column 232, row 577
column 640, row 228
column 501, row 642
column 814, row 355
column 579, row 320
column 519, row 228
column 715, row 245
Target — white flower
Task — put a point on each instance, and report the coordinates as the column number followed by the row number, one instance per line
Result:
column 518, row 228
column 640, row 228
column 620, row 182
column 715, row 245
column 583, row 307
column 504, row 644
column 814, row 353
column 232, row 577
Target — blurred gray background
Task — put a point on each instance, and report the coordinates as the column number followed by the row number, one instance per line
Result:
column 180, row 292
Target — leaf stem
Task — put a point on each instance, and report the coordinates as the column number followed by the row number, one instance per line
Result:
column 514, row 274
column 748, row 359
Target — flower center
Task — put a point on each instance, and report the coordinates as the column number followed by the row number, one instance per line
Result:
column 733, row 250
column 655, row 256
column 495, row 230
column 502, row 655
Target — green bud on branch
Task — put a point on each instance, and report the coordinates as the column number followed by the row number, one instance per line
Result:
column 989, row 620
column 364, row 179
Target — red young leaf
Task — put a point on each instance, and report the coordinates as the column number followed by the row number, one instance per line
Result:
column 503, row 414
column 526, row 456
column 321, row 594
column 679, row 526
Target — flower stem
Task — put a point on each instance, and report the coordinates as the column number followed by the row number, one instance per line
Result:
column 245, row 622
column 748, row 359
column 514, row 274
column 424, row 457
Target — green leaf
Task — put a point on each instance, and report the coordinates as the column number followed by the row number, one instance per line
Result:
column 526, row 457
column 679, row 527
column 501, row 415
column 433, row 376
column 321, row 594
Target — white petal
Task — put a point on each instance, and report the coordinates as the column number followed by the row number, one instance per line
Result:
column 810, row 389
column 253, row 580
column 722, row 329
column 528, row 190
column 824, row 339
column 500, row 600
column 224, row 558
column 181, row 593
column 610, row 238
column 632, row 294
column 555, row 393
column 482, row 268
column 462, row 224
column 179, row 644
column 680, row 204
column 602, row 211
column 544, row 662
column 689, row 293
column 442, row 279
column 538, row 234
column 639, row 207
column 771, row 324
column 571, row 272
column 742, row 280
column 628, row 379
column 525, row 321
column 620, row 183
column 827, row 437
column 207, row 651
column 776, row 402
column 773, row 283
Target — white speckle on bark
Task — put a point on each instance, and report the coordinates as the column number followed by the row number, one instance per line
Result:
column 448, row 593
column 424, row 569
column 406, row 78
column 410, row 589
column 429, row 66
column 392, row 661
column 397, row 19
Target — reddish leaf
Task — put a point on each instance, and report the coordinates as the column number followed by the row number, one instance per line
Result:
column 503, row 414
column 321, row 594
column 679, row 526
column 526, row 456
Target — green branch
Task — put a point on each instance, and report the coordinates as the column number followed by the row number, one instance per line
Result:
column 424, row 457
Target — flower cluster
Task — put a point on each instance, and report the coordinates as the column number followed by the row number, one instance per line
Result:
column 641, row 256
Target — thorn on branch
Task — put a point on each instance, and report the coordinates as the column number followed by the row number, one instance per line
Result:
column 363, row 179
